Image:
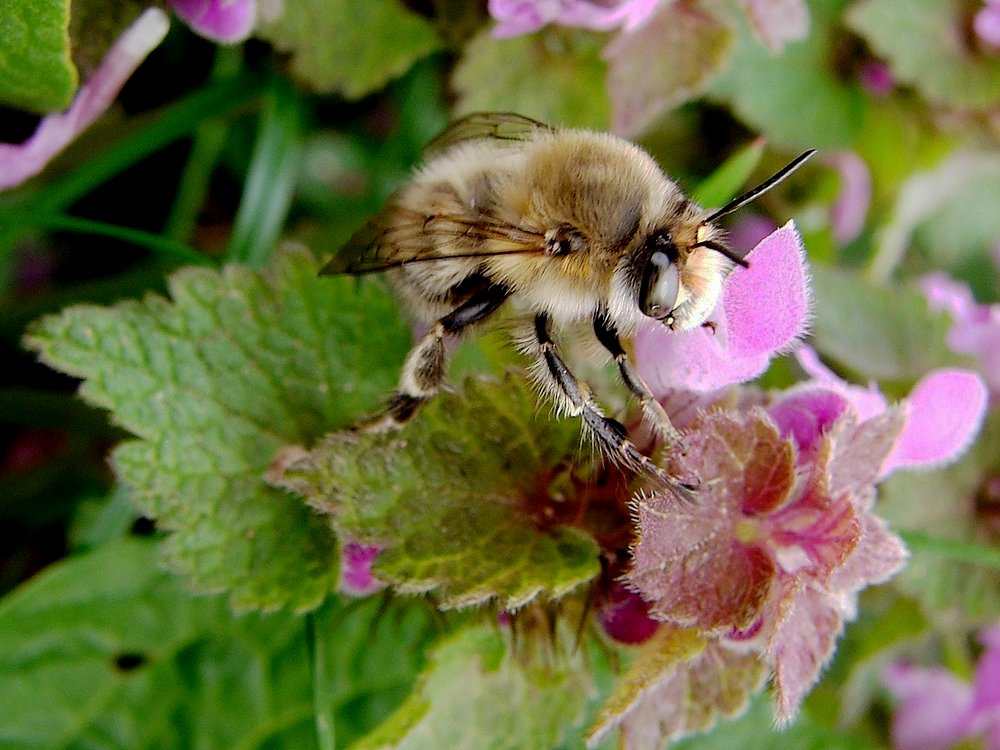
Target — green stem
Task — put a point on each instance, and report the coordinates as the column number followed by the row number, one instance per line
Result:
column 958, row 551
column 318, row 626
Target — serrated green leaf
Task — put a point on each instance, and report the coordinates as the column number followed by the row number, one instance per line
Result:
column 214, row 383
column 454, row 498
column 878, row 332
column 927, row 43
column 104, row 650
column 351, row 48
column 795, row 97
column 478, row 695
column 556, row 76
column 36, row 72
column 679, row 684
column 670, row 59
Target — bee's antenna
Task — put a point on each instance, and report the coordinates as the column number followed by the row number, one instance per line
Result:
column 770, row 182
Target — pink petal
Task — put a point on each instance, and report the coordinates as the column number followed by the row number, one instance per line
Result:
column 876, row 78
column 987, row 683
column 855, row 197
column 19, row 162
column 356, row 561
column 225, row 21
column 946, row 410
column 944, row 293
column 806, row 414
column 763, row 309
column 934, row 707
column 624, row 615
column 987, row 24
column 867, row 402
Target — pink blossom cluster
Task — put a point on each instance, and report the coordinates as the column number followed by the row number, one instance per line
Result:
column 516, row 17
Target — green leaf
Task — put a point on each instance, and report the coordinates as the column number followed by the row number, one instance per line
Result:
column 678, row 685
column 669, row 60
column 556, row 76
column 477, row 694
column 928, row 44
column 796, row 97
column 881, row 332
column 455, row 500
column 36, row 72
column 239, row 365
column 103, row 650
column 726, row 181
column 351, row 48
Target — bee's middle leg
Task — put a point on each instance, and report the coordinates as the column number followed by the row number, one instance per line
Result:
column 610, row 434
column 424, row 368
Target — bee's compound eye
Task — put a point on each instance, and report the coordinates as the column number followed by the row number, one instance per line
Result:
column 660, row 285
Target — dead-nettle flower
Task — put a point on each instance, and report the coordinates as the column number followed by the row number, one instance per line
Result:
column 987, row 23
column 223, row 21
column 937, row 711
column 356, row 577
column 850, row 209
column 784, row 536
column 975, row 329
column 18, row 162
column 516, row 17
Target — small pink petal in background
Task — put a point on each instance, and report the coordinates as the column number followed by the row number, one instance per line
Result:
column 946, row 410
column 933, row 707
column 224, row 21
column 19, row 162
column 516, row 17
column 876, row 78
column 867, row 402
column 987, row 24
column 851, row 207
column 356, row 577
column 777, row 22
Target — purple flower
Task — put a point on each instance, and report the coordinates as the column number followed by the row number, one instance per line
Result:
column 516, row 17
column 763, row 310
column 356, row 577
column 224, row 21
column 937, row 711
column 987, row 23
column 855, row 197
column 55, row 132
column 876, row 78
column 975, row 329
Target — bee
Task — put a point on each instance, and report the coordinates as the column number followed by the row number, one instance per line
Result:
column 561, row 226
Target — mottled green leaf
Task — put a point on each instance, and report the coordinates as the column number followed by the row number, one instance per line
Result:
column 456, row 499
column 797, row 97
column 215, row 382
column 36, row 72
column 670, row 59
column 480, row 694
column 929, row 45
column 104, row 650
column 881, row 332
column 556, row 76
column 348, row 47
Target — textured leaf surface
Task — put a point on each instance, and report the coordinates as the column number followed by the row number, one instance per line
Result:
column 104, row 650
column 669, row 60
column 556, row 76
column 215, row 382
column 678, row 685
column 349, row 47
column 478, row 695
column 454, row 498
column 887, row 334
column 36, row 72
column 796, row 98
column 928, row 44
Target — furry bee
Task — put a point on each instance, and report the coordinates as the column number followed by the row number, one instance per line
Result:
column 561, row 225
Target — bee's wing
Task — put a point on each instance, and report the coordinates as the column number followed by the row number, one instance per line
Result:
column 501, row 126
column 414, row 237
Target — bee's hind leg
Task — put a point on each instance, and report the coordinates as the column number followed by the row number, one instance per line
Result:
column 610, row 434
column 424, row 368
column 652, row 410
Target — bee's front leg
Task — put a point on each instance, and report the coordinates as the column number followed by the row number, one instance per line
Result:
column 652, row 410
column 424, row 368
column 610, row 434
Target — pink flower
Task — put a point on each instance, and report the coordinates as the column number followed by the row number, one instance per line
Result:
column 780, row 543
column 976, row 328
column 987, row 23
column 937, row 711
column 855, row 196
column 624, row 616
column 55, row 132
column 876, row 78
column 224, row 21
column 356, row 577
column 763, row 310
column 516, row 17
